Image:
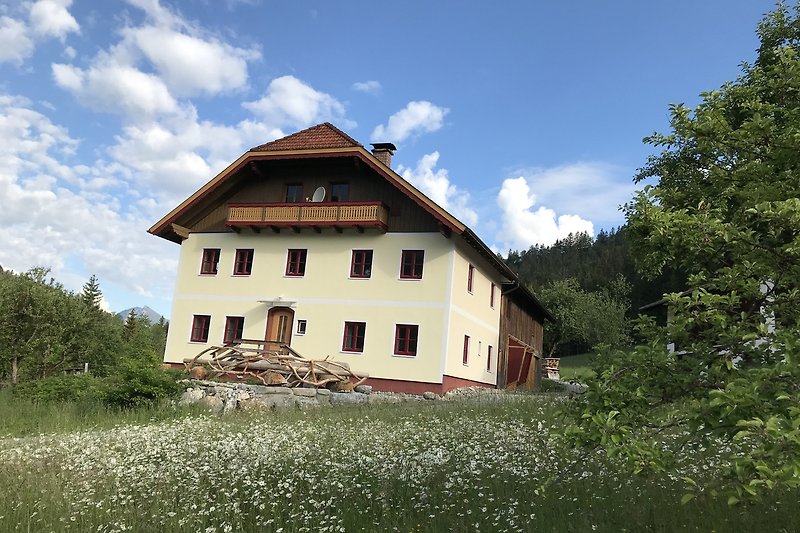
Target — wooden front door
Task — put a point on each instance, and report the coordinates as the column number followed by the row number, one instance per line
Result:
column 279, row 325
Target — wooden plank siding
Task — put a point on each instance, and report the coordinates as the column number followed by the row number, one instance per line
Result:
column 518, row 325
column 266, row 181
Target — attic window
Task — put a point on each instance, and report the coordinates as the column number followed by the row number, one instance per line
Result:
column 294, row 193
column 340, row 192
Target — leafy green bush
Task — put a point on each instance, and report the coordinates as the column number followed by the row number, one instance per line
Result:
column 140, row 384
column 61, row 389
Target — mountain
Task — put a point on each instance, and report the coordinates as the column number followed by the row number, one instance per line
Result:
column 154, row 316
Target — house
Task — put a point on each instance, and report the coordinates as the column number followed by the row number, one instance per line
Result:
column 314, row 241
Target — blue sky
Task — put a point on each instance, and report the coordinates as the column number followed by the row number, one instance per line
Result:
column 525, row 119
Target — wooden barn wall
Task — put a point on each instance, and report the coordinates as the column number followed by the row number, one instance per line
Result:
column 267, row 184
column 514, row 321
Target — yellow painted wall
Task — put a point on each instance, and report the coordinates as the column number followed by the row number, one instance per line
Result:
column 325, row 297
column 471, row 314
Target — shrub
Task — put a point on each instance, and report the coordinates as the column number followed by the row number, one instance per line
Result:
column 140, row 384
column 61, row 389
column 548, row 385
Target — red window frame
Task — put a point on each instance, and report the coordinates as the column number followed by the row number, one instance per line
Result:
column 243, row 263
column 465, row 357
column 234, row 327
column 200, row 326
column 294, row 193
column 361, row 264
column 210, row 261
column 354, row 333
column 489, row 358
column 491, row 296
column 406, row 337
column 296, row 262
column 411, row 264
column 470, row 277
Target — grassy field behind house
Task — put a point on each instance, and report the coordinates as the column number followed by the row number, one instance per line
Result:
column 420, row 466
column 576, row 367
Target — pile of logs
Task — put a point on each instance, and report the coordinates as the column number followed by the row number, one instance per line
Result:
column 271, row 363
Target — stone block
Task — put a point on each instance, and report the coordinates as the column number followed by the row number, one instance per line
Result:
column 308, row 393
column 428, row 395
column 212, row 403
column 363, row 389
column 345, row 398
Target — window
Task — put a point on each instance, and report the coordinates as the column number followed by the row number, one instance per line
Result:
column 411, row 264
column 491, row 296
column 361, row 264
column 489, row 358
column 234, row 326
column 200, row 325
column 465, row 357
column 210, row 261
column 301, row 327
column 294, row 193
column 296, row 263
column 243, row 264
column 354, row 336
column 405, row 339
column 340, row 192
column 470, row 277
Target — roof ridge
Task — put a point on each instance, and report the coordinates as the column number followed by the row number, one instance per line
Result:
column 324, row 135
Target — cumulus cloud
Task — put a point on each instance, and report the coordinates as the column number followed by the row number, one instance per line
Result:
column 435, row 183
column 52, row 18
column 15, row 44
column 369, row 87
column 116, row 88
column 523, row 225
column 416, row 118
column 44, row 201
column 290, row 102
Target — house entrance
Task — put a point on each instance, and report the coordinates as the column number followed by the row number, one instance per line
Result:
column 279, row 326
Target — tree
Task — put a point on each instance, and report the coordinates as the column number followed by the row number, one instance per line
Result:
column 584, row 319
column 725, row 208
column 91, row 293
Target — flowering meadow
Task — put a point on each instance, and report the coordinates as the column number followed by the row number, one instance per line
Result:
column 480, row 464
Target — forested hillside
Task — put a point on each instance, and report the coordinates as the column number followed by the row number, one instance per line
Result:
column 594, row 263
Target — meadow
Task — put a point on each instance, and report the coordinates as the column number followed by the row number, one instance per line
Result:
column 483, row 464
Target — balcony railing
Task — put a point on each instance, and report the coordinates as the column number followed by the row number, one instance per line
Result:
column 310, row 214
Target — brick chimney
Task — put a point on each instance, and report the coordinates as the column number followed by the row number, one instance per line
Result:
column 383, row 152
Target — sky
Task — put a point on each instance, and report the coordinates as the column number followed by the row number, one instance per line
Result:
column 524, row 119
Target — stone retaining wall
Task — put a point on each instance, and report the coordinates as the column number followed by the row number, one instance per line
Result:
column 223, row 397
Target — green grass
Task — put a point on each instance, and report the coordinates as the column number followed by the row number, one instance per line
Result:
column 418, row 466
column 576, row 367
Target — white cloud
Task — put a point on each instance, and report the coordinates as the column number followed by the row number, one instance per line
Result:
column 417, row 117
column 435, row 183
column 52, row 18
column 369, row 87
column 117, row 88
column 592, row 189
column 15, row 44
column 524, row 226
column 45, row 202
column 290, row 102
column 190, row 64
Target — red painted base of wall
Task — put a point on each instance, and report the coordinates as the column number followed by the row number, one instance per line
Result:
column 418, row 387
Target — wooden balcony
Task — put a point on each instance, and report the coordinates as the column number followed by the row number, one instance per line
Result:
column 312, row 215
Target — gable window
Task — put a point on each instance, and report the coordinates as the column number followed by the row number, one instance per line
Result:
column 243, row 264
column 340, row 192
column 294, row 193
column 354, row 336
column 491, row 296
column 302, row 326
column 200, row 326
column 411, row 264
column 470, row 278
column 489, row 358
column 361, row 264
column 234, row 327
column 465, row 356
column 405, row 339
column 210, row 261
column 296, row 262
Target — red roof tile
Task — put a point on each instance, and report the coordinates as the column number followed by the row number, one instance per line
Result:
column 324, row 135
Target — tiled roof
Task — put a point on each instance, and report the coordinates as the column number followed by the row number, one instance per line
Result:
column 324, row 135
